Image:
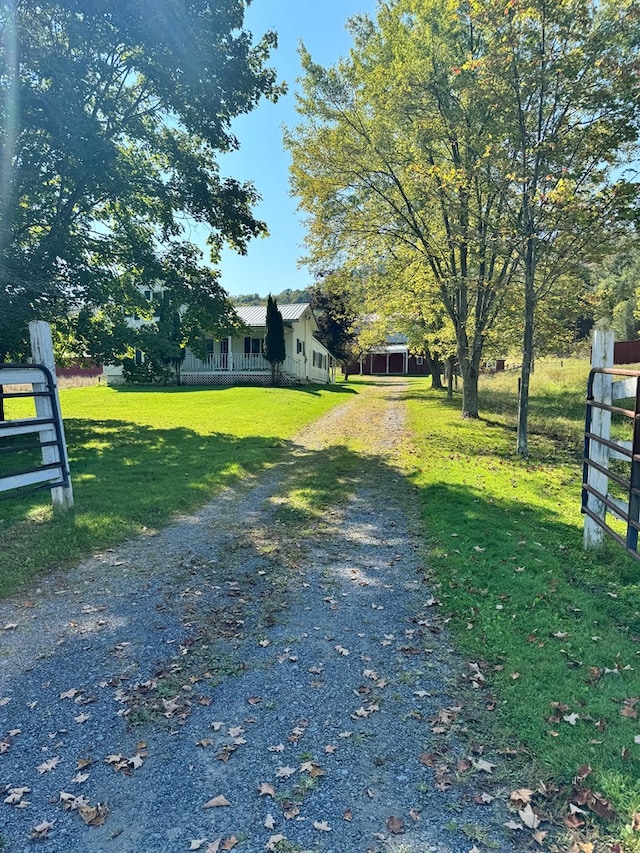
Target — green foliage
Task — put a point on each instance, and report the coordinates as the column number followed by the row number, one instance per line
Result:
column 336, row 317
column 139, row 456
column 111, row 115
column 274, row 344
column 288, row 296
column 616, row 288
column 469, row 158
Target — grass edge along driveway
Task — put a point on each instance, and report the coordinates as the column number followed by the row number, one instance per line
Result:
column 138, row 456
column 553, row 630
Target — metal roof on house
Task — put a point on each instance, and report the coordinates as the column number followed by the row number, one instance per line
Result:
column 256, row 315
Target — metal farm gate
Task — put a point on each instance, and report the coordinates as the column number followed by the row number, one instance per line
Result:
column 52, row 470
column 33, row 451
column 611, row 470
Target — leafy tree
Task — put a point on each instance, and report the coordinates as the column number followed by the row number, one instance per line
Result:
column 274, row 345
column 390, row 161
column 336, row 318
column 111, row 115
column 482, row 143
column 616, row 290
column 558, row 74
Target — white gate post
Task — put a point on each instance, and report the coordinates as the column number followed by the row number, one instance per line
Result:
column 601, row 356
column 42, row 352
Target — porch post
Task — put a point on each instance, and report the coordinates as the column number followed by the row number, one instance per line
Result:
column 229, row 355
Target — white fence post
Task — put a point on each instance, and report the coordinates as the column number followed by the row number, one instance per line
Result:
column 42, row 352
column 601, row 356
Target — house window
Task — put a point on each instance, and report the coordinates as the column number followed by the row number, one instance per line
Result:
column 224, row 346
column 148, row 294
column 139, row 357
column 419, row 359
column 318, row 359
column 252, row 346
column 300, row 348
column 210, row 344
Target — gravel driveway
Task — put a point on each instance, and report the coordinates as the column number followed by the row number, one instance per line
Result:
column 235, row 683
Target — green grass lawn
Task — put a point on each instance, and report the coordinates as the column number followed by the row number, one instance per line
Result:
column 138, row 456
column 556, row 630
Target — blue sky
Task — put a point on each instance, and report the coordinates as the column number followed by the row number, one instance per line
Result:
column 271, row 263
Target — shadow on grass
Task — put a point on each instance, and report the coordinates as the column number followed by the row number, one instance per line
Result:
column 521, row 594
column 315, row 390
column 125, row 477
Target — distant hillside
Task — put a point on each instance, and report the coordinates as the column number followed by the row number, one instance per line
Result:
column 286, row 297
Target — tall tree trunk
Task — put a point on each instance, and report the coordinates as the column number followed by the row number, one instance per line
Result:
column 448, row 375
column 435, row 369
column 470, row 399
column 1, row 404
column 469, row 362
column 527, row 348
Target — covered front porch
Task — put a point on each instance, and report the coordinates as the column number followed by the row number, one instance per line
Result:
column 232, row 367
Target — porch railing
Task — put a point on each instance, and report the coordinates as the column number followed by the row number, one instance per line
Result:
column 238, row 362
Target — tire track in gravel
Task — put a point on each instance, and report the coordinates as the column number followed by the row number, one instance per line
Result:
column 295, row 676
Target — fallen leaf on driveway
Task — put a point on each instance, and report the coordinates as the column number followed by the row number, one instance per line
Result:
column 42, row 829
column 395, row 825
column 217, row 802
column 272, row 843
column 196, row 843
column 93, row 815
column 285, row 772
column 49, row 765
column 321, row 826
column 267, row 790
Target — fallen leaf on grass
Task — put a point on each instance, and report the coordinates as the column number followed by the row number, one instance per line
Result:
column 482, row 765
column 217, row 802
column 521, row 797
column 529, row 817
column 511, row 824
column 272, row 843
